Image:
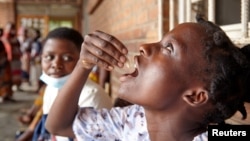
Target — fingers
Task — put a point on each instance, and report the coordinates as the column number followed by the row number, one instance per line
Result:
column 109, row 45
column 96, row 56
column 103, row 50
column 111, row 39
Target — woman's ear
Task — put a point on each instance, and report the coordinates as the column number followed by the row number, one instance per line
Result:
column 196, row 97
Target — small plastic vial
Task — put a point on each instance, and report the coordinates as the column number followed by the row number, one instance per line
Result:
column 129, row 65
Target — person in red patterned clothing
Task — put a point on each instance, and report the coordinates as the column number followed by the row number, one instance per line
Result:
column 12, row 46
column 5, row 73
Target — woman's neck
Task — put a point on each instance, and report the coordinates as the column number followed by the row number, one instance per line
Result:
column 173, row 127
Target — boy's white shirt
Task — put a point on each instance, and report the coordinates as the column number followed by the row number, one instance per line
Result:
column 92, row 95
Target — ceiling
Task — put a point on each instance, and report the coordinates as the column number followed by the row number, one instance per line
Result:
column 74, row 2
column 49, row 7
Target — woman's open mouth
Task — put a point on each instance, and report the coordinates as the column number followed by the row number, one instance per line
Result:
column 133, row 74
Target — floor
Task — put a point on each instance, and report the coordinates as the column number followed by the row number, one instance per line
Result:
column 9, row 111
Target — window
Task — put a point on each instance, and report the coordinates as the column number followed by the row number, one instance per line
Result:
column 35, row 22
column 232, row 15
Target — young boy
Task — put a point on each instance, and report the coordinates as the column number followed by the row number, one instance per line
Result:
column 59, row 56
column 181, row 84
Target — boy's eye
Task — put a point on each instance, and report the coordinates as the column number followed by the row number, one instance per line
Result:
column 168, row 46
column 66, row 58
column 48, row 57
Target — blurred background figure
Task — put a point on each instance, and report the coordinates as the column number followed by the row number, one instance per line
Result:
column 12, row 46
column 5, row 73
column 31, row 46
column 25, row 40
column 36, row 49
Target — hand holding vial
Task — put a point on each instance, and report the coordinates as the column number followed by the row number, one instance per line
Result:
column 129, row 65
column 107, row 52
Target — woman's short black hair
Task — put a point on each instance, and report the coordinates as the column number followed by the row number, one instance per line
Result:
column 226, row 75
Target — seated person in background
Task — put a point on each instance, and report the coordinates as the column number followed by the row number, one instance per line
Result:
column 59, row 56
column 30, row 113
column 27, row 134
column 190, row 79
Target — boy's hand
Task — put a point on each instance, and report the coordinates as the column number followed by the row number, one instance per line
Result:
column 102, row 49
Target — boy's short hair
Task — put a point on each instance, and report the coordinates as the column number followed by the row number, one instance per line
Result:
column 68, row 34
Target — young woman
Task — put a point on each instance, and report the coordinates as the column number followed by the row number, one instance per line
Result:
column 181, row 84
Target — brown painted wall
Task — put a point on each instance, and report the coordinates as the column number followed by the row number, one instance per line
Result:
column 7, row 13
column 132, row 21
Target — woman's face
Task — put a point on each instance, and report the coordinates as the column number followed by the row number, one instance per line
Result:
column 59, row 57
column 164, row 69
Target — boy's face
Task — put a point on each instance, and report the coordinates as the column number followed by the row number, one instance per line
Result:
column 59, row 57
column 166, row 69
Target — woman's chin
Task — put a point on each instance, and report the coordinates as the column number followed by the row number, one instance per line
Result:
column 127, row 91
column 122, row 92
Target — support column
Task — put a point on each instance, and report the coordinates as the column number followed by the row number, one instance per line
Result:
column 244, row 17
column 211, row 10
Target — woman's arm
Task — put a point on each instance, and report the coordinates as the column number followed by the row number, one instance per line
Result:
column 64, row 108
column 99, row 49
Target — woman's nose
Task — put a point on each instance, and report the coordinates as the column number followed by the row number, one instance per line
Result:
column 146, row 49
